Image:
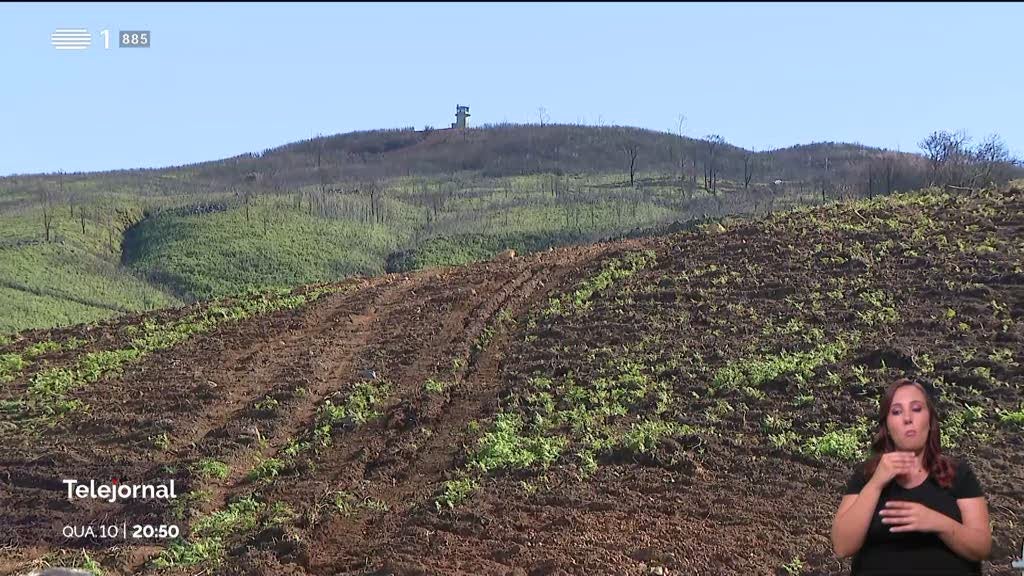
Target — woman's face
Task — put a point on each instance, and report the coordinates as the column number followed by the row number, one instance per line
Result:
column 908, row 419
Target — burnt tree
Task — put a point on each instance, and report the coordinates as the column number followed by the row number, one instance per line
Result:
column 713, row 144
column 631, row 151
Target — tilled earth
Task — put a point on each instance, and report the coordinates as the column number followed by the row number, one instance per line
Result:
column 930, row 285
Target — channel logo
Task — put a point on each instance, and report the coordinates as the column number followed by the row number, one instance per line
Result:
column 71, row 39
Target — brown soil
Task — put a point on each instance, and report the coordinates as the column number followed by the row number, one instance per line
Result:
column 727, row 502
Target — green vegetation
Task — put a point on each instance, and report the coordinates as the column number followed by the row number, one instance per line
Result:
column 375, row 505
column 803, row 400
column 643, row 437
column 73, row 559
column 265, row 469
column 219, row 253
column 207, row 540
column 755, row 371
column 177, row 249
column 847, row 443
column 503, row 320
column 1012, row 417
column 1004, row 357
column 40, row 348
column 627, row 398
column 614, row 270
column 624, row 408
column 347, row 503
column 73, row 278
column 48, row 389
column 435, row 386
column 391, row 200
column 461, row 249
column 210, row 468
column 506, row 447
column 455, row 492
column 343, row 503
column 10, row 365
column 619, row 412
column 267, row 407
column 773, row 423
column 185, row 505
column 161, row 441
column 91, row 565
column 794, row 566
column 959, row 424
column 358, row 408
column 46, row 398
column 881, row 309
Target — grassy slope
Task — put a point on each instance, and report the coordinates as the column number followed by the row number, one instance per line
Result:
column 75, row 279
column 491, row 209
column 216, row 254
column 429, row 222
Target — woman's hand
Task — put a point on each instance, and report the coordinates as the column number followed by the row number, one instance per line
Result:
column 904, row 516
column 893, row 464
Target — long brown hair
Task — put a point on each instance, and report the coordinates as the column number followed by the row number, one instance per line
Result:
column 941, row 467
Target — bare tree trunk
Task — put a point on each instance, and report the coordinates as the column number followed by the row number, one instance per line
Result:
column 322, row 177
column 632, row 150
column 60, row 185
column 710, row 167
column 47, row 221
column 693, row 166
column 46, row 201
column 889, row 172
column 682, row 152
column 825, row 180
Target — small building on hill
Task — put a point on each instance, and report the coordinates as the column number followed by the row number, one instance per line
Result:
column 461, row 113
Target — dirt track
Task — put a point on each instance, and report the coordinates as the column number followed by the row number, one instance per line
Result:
column 407, row 328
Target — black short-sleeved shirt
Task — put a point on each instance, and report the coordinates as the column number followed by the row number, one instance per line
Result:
column 911, row 553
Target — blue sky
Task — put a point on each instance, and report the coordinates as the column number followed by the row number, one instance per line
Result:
column 224, row 79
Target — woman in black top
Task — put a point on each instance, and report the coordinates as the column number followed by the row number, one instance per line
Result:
column 910, row 509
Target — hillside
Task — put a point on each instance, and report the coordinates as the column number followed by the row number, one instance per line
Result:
column 386, row 200
column 493, row 151
column 74, row 278
column 682, row 404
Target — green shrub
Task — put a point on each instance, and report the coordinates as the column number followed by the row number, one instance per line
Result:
column 505, row 447
column 455, row 492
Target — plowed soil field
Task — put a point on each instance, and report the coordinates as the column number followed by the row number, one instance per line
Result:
column 688, row 404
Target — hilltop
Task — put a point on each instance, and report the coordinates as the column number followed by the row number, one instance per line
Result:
column 683, row 404
column 501, row 151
